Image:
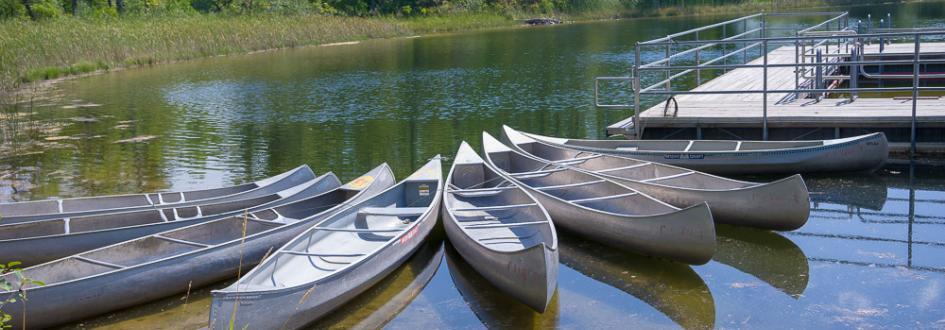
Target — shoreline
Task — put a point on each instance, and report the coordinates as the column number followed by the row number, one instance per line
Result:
column 404, row 29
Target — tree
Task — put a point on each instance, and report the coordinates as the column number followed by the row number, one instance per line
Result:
column 29, row 9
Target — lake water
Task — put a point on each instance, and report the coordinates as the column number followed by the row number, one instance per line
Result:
column 872, row 254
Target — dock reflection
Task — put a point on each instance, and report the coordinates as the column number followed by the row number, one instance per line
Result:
column 673, row 289
column 766, row 255
column 494, row 308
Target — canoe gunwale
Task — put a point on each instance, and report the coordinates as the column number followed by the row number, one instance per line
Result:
column 514, row 186
column 275, row 227
column 144, row 225
column 259, row 185
column 227, row 293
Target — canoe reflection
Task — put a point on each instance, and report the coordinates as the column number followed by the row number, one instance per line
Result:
column 766, row 255
column 370, row 310
column 380, row 304
column 494, row 308
column 672, row 288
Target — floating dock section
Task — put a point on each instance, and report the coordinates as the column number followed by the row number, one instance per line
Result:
column 829, row 80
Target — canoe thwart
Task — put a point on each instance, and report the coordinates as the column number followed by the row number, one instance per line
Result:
column 569, row 185
column 602, row 198
column 493, row 208
column 506, row 225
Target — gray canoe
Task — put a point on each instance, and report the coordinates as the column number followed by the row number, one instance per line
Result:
column 152, row 267
column 43, row 240
column 501, row 230
column 864, row 153
column 335, row 260
column 780, row 205
column 73, row 207
column 608, row 212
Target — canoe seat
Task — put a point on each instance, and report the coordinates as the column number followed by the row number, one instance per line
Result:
column 569, row 185
column 623, row 167
column 668, row 177
column 492, row 208
column 536, row 174
column 577, row 160
column 505, row 225
column 393, row 211
column 602, row 198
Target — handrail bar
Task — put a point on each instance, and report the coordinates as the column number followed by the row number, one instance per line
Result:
column 939, row 31
column 696, row 49
column 702, row 28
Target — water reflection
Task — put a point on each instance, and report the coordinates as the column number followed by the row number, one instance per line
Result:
column 380, row 304
column 906, row 231
column 494, row 308
column 370, row 310
column 765, row 255
column 672, row 288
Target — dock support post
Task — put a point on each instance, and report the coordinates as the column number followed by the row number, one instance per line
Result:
column 915, row 93
column 797, row 69
column 724, row 47
column 637, row 127
column 764, row 94
column 745, row 44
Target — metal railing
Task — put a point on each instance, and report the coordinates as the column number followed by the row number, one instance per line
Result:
column 822, row 52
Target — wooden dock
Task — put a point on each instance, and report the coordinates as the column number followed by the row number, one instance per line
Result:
column 739, row 116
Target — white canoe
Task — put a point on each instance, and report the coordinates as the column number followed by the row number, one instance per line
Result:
column 853, row 154
column 73, row 207
column 781, row 205
column 39, row 241
column 501, row 230
column 334, row 261
column 608, row 212
column 156, row 266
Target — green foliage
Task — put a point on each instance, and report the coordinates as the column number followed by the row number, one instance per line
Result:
column 12, row 9
column 10, row 293
column 46, row 9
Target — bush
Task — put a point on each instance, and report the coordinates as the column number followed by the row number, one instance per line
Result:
column 11, row 8
column 46, row 10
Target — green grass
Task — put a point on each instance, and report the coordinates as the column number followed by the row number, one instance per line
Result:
column 54, row 48
column 32, row 51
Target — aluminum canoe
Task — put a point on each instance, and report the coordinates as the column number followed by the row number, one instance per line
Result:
column 608, row 212
column 156, row 266
column 501, row 230
column 335, row 260
column 72, row 207
column 43, row 240
column 780, row 205
column 864, row 153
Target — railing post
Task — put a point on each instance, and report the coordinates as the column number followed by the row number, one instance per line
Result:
column 637, row 128
column 797, row 72
column 882, row 41
column 724, row 46
column 745, row 45
column 764, row 94
column 669, row 64
column 854, row 72
column 818, row 74
column 698, row 71
column 915, row 93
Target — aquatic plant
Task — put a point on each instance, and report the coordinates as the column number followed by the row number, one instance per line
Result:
column 16, row 293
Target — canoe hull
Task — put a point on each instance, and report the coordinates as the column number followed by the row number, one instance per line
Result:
column 299, row 306
column 50, row 306
column 530, row 275
column 683, row 235
column 865, row 154
column 779, row 205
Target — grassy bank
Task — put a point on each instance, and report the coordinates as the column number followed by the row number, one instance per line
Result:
column 32, row 51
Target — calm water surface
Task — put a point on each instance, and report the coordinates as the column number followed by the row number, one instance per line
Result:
column 872, row 254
